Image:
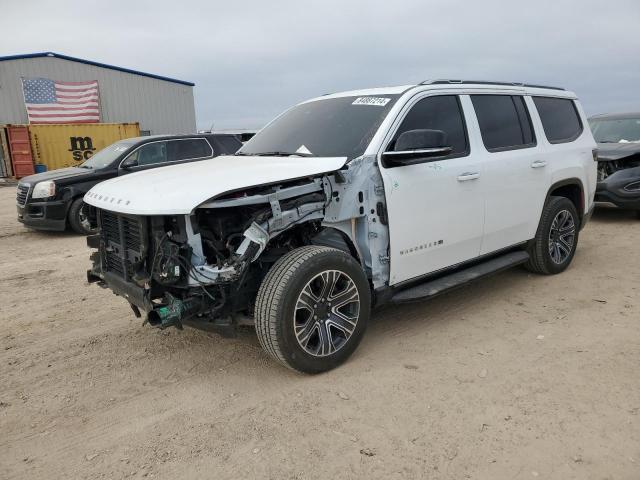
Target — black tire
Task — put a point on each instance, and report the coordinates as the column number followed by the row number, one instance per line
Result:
column 544, row 256
column 280, row 309
column 638, row 214
column 77, row 218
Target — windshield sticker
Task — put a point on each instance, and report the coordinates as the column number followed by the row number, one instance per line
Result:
column 376, row 101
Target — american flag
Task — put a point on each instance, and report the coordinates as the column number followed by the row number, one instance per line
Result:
column 49, row 101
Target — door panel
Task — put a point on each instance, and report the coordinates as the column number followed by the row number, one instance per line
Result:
column 516, row 176
column 435, row 219
column 435, row 209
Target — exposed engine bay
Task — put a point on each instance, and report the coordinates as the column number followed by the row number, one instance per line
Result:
column 204, row 269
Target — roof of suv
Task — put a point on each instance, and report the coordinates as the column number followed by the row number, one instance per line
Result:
column 456, row 85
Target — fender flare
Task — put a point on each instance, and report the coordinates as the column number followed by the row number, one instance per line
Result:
column 573, row 181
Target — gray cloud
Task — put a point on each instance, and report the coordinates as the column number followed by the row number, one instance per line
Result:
column 252, row 59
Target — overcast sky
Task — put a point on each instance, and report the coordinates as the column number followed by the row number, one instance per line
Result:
column 252, row 59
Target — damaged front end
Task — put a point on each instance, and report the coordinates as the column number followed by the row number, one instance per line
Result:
column 204, row 269
column 619, row 177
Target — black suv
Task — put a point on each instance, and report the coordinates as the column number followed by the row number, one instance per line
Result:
column 53, row 200
column 618, row 137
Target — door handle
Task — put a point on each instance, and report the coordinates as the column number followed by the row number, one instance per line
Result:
column 539, row 164
column 466, row 176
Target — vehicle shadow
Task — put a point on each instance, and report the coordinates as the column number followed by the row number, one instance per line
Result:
column 610, row 214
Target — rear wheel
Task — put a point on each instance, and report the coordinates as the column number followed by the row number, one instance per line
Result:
column 312, row 308
column 78, row 218
column 638, row 214
column 556, row 239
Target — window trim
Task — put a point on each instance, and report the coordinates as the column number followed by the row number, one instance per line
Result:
column 407, row 108
column 575, row 110
column 172, row 161
column 507, row 148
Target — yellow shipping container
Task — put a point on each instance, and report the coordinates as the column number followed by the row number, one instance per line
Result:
column 68, row 145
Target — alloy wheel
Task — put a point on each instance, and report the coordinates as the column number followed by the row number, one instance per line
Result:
column 562, row 237
column 84, row 220
column 326, row 313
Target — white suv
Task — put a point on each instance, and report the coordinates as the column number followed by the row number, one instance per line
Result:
column 346, row 202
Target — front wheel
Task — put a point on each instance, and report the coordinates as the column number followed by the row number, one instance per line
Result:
column 312, row 308
column 556, row 240
column 79, row 220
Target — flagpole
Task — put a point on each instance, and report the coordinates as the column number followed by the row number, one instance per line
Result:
column 24, row 101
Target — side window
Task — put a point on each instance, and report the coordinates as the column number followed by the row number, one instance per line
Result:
column 187, row 149
column 438, row 113
column 504, row 122
column 560, row 119
column 229, row 144
column 149, row 154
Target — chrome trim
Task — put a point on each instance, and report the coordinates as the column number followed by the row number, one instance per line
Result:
column 26, row 198
column 417, row 153
column 635, row 186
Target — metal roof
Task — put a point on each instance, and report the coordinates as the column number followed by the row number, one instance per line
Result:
column 95, row 64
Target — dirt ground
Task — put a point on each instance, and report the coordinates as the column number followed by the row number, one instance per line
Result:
column 517, row 377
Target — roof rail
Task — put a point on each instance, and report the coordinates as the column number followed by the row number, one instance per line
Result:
column 484, row 82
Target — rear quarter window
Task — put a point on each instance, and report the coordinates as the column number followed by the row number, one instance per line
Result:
column 189, row 148
column 560, row 119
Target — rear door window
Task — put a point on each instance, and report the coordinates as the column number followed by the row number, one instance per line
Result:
column 188, row 149
column 560, row 119
column 150, row 153
column 504, row 122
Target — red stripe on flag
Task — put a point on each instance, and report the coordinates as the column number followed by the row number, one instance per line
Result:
column 77, row 84
column 78, row 106
column 76, row 97
column 70, row 90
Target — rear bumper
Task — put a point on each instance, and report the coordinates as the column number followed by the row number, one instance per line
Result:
column 44, row 215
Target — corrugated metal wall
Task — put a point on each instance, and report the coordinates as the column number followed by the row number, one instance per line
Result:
column 157, row 105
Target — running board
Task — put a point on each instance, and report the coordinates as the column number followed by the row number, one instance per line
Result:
column 458, row 279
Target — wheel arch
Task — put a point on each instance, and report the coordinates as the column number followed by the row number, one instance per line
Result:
column 572, row 189
column 336, row 238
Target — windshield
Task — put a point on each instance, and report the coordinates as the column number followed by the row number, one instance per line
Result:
column 107, row 155
column 622, row 130
column 332, row 127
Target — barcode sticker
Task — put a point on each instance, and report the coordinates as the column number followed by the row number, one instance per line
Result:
column 375, row 101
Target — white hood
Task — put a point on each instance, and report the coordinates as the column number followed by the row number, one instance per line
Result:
column 178, row 189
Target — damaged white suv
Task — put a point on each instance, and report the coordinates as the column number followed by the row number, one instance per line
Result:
column 346, row 202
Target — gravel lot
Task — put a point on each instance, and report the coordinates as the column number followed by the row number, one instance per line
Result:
column 517, row 377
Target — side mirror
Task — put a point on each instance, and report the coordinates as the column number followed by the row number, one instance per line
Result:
column 129, row 163
column 417, row 146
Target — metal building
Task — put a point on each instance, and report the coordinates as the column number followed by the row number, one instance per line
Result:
column 159, row 104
